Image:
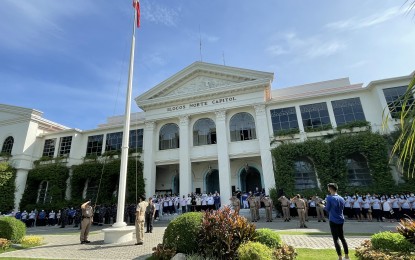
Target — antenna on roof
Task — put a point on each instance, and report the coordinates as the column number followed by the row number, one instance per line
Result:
column 223, row 57
column 200, row 44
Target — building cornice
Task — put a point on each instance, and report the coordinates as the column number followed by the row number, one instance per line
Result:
column 242, row 87
column 318, row 93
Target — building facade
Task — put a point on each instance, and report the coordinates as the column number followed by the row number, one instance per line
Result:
column 207, row 128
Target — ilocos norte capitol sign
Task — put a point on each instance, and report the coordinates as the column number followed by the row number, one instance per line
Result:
column 201, row 104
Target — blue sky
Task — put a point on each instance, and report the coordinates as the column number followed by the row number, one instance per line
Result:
column 69, row 59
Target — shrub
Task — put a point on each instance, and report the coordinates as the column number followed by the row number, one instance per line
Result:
column 31, row 241
column 223, row 232
column 12, row 229
column 267, row 237
column 389, row 241
column 182, row 232
column 407, row 229
column 367, row 252
column 4, row 244
column 254, row 250
column 161, row 252
column 285, row 252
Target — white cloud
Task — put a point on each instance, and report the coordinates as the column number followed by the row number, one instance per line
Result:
column 358, row 23
column 324, row 49
column 311, row 47
column 159, row 14
column 276, row 50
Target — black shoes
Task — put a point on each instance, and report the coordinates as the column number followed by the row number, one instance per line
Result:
column 85, row 242
column 139, row 243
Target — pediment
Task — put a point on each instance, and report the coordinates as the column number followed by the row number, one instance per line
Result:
column 199, row 78
column 199, row 84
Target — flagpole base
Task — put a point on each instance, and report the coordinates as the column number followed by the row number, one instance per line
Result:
column 118, row 235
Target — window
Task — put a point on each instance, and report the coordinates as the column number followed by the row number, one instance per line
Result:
column 43, row 196
column 394, row 99
column 305, row 175
column 8, row 145
column 204, row 132
column 94, row 146
column 169, row 137
column 284, row 119
column 65, row 145
column 315, row 115
column 358, row 173
column 242, row 127
column 136, row 139
column 49, row 148
column 348, row 110
column 113, row 142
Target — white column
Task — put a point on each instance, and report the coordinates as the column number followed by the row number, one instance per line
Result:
column 331, row 114
column 20, row 182
column 185, row 164
column 149, row 171
column 223, row 157
column 303, row 135
column 265, row 148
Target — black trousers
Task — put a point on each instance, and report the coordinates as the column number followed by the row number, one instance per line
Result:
column 337, row 233
column 149, row 222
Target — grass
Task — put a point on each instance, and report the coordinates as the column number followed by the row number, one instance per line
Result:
column 305, row 233
column 320, row 254
column 10, row 249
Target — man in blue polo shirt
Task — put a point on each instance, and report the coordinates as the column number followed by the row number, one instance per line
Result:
column 334, row 207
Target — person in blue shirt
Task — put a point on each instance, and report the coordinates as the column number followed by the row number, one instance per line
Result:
column 334, row 207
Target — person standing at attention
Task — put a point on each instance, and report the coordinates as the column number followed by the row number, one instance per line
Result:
column 86, row 222
column 139, row 220
column 335, row 206
column 150, row 212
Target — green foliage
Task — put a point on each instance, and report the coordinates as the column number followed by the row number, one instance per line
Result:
column 286, row 154
column 318, row 129
column 254, row 250
column 268, row 237
column 7, row 186
column 12, row 229
column 349, row 126
column 223, row 232
column 407, row 229
column 56, row 175
column 162, row 252
column 109, row 170
column 287, row 132
column 329, row 160
column 181, row 233
column 389, row 241
column 367, row 252
column 285, row 252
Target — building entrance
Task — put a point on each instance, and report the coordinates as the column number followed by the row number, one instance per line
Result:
column 212, row 181
column 250, row 179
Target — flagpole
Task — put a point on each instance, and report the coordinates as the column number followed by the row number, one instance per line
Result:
column 126, row 137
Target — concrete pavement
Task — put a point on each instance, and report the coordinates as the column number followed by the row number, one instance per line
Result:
column 64, row 243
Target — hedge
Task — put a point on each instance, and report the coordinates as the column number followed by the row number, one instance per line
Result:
column 7, row 186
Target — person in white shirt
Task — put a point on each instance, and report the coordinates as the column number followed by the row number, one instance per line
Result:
column 204, row 202
column 198, row 203
column 189, row 203
column 396, row 206
column 377, row 208
column 366, row 208
column 210, row 202
column 386, row 206
column 348, row 207
column 24, row 216
column 51, row 219
column 357, row 207
column 183, row 204
column 406, row 208
column 32, row 217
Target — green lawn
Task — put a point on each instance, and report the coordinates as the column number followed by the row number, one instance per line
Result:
column 320, row 254
column 7, row 250
column 305, row 233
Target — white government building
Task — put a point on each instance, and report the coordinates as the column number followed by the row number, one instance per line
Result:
column 203, row 127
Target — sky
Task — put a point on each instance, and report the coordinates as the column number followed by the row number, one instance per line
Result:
column 69, row 59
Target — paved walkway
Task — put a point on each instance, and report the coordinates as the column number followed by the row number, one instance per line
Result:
column 64, row 243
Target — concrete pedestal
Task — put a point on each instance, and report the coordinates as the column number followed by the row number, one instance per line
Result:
column 117, row 235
